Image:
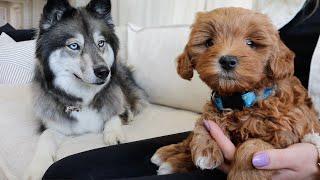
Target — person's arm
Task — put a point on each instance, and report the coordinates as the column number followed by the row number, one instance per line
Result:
column 298, row 161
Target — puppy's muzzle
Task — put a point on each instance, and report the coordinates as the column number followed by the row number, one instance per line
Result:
column 101, row 72
column 228, row 62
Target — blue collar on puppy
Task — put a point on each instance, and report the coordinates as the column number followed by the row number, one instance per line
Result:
column 239, row 100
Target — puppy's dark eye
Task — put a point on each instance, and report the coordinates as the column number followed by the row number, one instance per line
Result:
column 101, row 43
column 209, row 43
column 250, row 43
column 74, row 46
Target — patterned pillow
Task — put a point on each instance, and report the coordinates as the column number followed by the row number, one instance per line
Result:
column 17, row 60
column 4, row 39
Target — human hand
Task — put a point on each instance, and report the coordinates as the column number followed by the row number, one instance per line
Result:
column 298, row 161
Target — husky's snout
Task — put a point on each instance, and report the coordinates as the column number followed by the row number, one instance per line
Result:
column 101, row 72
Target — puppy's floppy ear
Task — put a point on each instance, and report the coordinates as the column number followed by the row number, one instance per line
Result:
column 53, row 12
column 185, row 67
column 281, row 65
column 101, row 9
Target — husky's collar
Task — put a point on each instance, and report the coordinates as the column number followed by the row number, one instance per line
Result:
column 238, row 101
column 67, row 101
column 69, row 109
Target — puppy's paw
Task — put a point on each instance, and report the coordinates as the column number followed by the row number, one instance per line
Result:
column 207, row 158
column 155, row 159
column 114, row 136
column 164, row 153
column 178, row 163
column 165, row 168
column 206, row 163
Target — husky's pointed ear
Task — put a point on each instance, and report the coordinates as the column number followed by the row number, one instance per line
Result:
column 101, row 9
column 53, row 12
column 185, row 67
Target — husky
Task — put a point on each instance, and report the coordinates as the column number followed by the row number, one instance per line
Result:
column 79, row 85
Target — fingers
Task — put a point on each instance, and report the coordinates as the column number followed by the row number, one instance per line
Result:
column 285, row 174
column 227, row 147
column 272, row 159
column 292, row 157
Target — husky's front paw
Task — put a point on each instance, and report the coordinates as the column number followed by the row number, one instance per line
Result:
column 113, row 133
column 113, row 137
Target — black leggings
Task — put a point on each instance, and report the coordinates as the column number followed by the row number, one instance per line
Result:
column 125, row 161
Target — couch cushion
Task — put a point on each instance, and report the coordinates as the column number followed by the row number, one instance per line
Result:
column 154, row 121
column 22, row 34
column 18, row 133
column 152, row 53
column 18, row 128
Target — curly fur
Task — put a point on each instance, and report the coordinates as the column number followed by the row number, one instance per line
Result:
column 276, row 122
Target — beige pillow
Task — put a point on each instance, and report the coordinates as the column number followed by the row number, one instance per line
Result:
column 152, row 53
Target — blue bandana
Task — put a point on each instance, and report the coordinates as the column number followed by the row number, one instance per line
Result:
column 238, row 100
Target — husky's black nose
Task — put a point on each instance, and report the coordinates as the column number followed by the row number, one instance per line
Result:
column 101, row 72
column 228, row 62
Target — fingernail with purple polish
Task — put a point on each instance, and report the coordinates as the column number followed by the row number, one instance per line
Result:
column 206, row 124
column 260, row 160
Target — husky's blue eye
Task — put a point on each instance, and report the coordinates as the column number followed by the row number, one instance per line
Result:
column 101, row 43
column 74, row 46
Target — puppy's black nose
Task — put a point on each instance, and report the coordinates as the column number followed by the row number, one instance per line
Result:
column 228, row 62
column 101, row 72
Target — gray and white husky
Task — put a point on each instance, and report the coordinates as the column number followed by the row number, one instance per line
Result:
column 79, row 86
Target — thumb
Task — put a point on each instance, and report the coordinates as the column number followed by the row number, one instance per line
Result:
column 227, row 147
column 273, row 159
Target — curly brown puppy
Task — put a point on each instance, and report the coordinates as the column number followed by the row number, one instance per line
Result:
column 256, row 100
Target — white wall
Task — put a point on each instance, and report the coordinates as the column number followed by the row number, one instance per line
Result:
column 166, row 12
column 140, row 12
column 148, row 13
